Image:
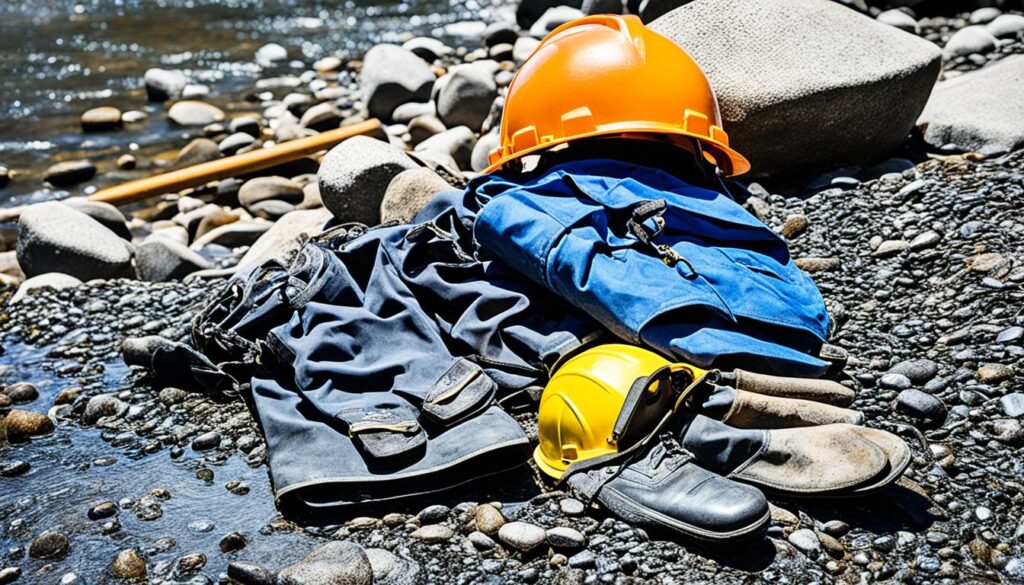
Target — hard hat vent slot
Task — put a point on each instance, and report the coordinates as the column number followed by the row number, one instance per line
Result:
column 695, row 123
column 578, row 121
column 525, row 138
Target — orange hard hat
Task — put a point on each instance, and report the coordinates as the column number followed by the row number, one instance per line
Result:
column 608, row 75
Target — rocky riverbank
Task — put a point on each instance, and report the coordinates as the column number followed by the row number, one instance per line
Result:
column 104, row 475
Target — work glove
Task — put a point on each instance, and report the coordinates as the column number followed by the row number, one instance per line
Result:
column 789, row 436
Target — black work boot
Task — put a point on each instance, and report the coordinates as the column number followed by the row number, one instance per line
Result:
column 665, row 488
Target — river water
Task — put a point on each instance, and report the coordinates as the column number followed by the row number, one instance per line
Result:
column 59, row 58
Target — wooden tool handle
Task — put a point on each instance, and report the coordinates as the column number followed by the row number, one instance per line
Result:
column 231, row 166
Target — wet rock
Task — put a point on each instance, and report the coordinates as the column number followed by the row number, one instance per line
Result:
column 102, row 510
column 489, row 519
column 251, row 574
column 14, row 468
column 194, row 113
column 103, row 405
column 522, row 536
column 391, row 569
column 922, row 406
column 67, row 395
column 55, row 238
column 22, row 425
column 563, row 537
column 331, row 564
column 994, row 373
column 466, row 96
column 196, row 152
column 232, row 542
column 408, row 192
column 102, row 118
column 355, row 175
column 433, row 533
column 794, row 226
column 72, row 172
column 129, row 566
column 21, row 392
column 968, row 41
column 190, row 563
column 160, row 260
column 1006, row 26
column 779, row 70
column 9, row 575
column 972, row 112
column 49, row 545
column 918, row 371
column 392, row 76
column 206, row 441
column 105, row 213
column 163, row 85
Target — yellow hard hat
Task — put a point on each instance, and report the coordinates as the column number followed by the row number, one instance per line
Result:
column 584, row 398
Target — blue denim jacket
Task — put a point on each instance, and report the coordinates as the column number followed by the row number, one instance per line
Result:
column 658, row 262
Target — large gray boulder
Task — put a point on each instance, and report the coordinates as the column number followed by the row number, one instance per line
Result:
column 53, row 237
column 806, row 84
column 161, row 259
column 105, row 213
column 408, row 192
column 392, row 76
column 981, row 111
column 465, row 97
column 355, row 174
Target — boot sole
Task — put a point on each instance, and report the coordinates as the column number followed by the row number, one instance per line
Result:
column 642, row 515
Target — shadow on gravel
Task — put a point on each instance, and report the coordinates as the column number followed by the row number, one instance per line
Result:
column 898, row 507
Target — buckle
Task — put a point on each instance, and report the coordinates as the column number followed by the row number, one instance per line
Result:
column 461, row 392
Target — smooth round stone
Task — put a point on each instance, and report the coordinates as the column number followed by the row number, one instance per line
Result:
column 805, row 540
column 918, row 371
column 894, row 382
column 522, row 536
column 102, row 118
column 571, row 507
column 920, row 405
column 433, row 533
column 489, row 519
column 434, row 514
column 565, row 537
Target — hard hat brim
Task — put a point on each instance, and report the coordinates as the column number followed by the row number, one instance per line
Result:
column 731, row 162
column 542, row 463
